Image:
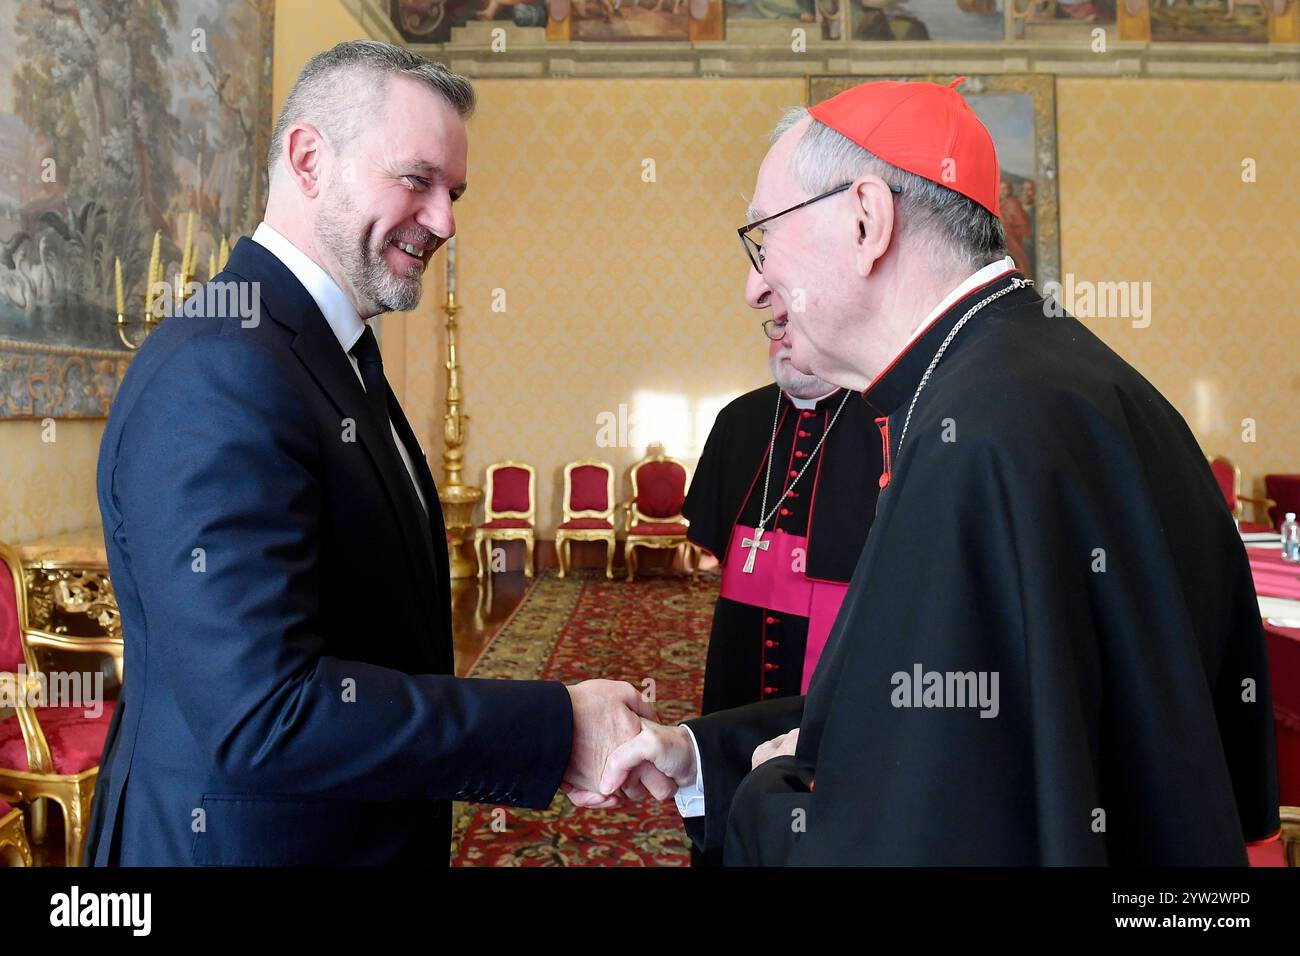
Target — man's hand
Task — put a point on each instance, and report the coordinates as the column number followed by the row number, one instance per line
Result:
column 656, row 756
column 606, row 713
column 783, row 745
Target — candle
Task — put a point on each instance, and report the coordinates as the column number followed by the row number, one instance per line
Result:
column 154, row 273
column 117, row 277
column 451, row 268
column 212, row 265
column 224, row 253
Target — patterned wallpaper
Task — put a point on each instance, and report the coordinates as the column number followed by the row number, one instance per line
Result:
column 47, row 486
column 1151, row 191
column 625, row 292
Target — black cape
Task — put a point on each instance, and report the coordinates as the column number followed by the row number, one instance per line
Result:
column 757, row 653
column 1049, row 519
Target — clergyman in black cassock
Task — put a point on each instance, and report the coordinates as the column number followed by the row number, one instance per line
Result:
column 1070, row 540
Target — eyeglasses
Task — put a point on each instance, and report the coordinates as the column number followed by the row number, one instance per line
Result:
column 773, row 329
column 754, row 247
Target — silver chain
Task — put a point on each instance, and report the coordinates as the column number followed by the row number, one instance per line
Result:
column 771, row 453
column 1016, row 283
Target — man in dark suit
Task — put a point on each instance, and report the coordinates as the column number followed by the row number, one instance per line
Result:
column 275, row 540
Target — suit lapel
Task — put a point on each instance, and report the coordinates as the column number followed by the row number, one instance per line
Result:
column 436, row 537
column 287, row 302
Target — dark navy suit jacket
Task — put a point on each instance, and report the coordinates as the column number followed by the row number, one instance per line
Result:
column 288, row 696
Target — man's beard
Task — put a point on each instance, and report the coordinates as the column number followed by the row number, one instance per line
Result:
column 364, row 267
column 796, row 383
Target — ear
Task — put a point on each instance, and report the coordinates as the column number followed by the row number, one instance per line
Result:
column 304, row 157
column 873, row 222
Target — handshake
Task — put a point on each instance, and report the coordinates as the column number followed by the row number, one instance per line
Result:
column 620, row 751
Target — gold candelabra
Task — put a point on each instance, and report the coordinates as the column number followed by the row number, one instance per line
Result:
column 458, row 499
column 155, row 288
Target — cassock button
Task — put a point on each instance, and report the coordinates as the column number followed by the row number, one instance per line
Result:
column 773, row 620
column 793, row 494
column 769, row 643
column 793, row 473
column 804, row 434
column 770, row 667
column 769, row 690
column 799, row 454
column 785, row 511
column 806, row 414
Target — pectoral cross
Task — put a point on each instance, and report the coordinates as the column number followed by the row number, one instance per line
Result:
column 753, row 544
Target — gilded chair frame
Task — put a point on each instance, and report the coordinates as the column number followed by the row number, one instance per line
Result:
column 13, row 839
column 565, row 536
column 72, row 792
column 483, row 537
column 632, row 515
column 1290, row 835
column 1238, row 508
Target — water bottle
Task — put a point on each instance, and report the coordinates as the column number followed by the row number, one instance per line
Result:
column 1290, row 539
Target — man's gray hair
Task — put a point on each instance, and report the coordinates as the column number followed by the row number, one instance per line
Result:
column 341, row 90
column 959, row 231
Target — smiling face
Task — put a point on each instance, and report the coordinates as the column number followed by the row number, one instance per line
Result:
column 805, row 262
column 386, row 205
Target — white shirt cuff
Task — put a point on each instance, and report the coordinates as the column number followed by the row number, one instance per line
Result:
column 690, row 800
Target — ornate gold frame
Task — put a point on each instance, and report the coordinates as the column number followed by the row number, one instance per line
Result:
column 632, row 516
column 72, row 792
column 564, row 536
column 14, row 836
column 45, row 369
column 1290, row 835
column 1238, row 509
column 527, row 535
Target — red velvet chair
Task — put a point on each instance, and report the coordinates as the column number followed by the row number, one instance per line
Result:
column 14, row 850
column 654, row 515
column 1228, row 475
column 1285, row 492
column 588, row 511
column 510, row 512
column 46, row 752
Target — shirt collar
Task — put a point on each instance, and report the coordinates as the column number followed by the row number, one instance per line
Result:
column 898, row 381
column 343, row 319
column 806, row 403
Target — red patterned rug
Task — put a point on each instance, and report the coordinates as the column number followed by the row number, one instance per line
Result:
column 655, row 629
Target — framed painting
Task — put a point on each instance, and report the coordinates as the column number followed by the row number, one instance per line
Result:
column 121, row 119
column 1020, row 113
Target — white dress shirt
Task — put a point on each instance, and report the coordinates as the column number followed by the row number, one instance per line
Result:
column 690, row 800
column 343, row 319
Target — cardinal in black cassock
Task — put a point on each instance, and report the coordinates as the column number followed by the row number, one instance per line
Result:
column 1051, row 651
column 781, row 589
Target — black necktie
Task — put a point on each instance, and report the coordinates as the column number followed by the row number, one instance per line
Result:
column 371, row 365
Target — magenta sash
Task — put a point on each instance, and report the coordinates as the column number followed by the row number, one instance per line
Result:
column 776, row 585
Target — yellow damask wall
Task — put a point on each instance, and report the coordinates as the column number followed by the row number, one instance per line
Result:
column 47, row 486
column 1152, row 191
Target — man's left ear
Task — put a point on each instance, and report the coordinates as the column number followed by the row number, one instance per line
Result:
column 873, row 222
